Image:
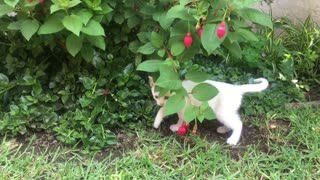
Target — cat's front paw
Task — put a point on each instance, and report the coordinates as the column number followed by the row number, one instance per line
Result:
column 232, row 141
column 174, row 127
column 156, row 124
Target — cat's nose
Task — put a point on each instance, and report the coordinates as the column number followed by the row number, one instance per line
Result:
column 160, row 103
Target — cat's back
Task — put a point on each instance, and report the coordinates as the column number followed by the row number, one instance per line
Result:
column 188, row 85
column 221, row 86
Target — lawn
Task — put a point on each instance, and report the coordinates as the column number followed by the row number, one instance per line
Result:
column 278, row 146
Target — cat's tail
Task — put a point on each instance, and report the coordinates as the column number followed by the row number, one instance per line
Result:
column 261, row 84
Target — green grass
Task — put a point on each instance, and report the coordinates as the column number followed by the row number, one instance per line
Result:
column 288, row 153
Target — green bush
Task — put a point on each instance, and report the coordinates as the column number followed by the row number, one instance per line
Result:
column 77, row 103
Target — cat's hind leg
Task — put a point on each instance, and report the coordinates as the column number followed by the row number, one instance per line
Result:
column 233, row 122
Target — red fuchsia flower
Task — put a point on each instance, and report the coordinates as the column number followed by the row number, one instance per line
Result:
column 221, row 31
column 41, row 1
column 106, row 92
column 182, row 131
column 185, row 125
column 30, row 1
column 188, row 40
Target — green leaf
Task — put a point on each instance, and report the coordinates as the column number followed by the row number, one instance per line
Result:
column 256, row 16
column 87, row 52
column 73, row 23
column 168, row 79
column 74, row 44
column 206, row 111
column 73, row 3
column 29, row 28
column 85, row 15
column 156, row 39
column 234, row 48
column 112, row 141
column 146, row 49
column 65, row 98
column 247, row 35
column 28, row 80
column 162, row 18
column 118, row 18
column 97, row 41
column 209, row 39
column 54, row 8
column 4, row 80
column 144, row 37
column 196, row 76
column 204, row 92
column 36, row 89
column 134, row 45
column 11, row 3
column 177, row 48
column 181, row 12
column 161, row 52
column 209, row 114
column 133, row 22
column 162, row 91
column 203, row 7
column 5, row 9
column 105, row 8
column 174, row 104
column 150, row 65
column 52, row 25
column 87, row 82
column 15, row 25
column 84, row 101
column 191, row 113
column 93, row 28
column 14, row 110
column 185, row 2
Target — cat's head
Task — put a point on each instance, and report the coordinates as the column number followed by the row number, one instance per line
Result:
column 160, row 100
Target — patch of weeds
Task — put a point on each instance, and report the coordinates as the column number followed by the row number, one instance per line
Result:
column 302, row 41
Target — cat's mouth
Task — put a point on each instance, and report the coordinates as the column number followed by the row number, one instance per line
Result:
column 162, row 101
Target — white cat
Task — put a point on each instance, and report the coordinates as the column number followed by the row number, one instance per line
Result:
column 225, row 105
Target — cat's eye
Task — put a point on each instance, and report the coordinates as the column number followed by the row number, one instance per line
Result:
column 166, row 97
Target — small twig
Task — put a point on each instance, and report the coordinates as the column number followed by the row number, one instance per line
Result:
column 168, row 53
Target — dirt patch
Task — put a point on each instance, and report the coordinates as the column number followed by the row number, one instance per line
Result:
column 313, row 94
column 40, row 141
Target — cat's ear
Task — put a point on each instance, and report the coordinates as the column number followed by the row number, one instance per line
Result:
column 151, row 82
